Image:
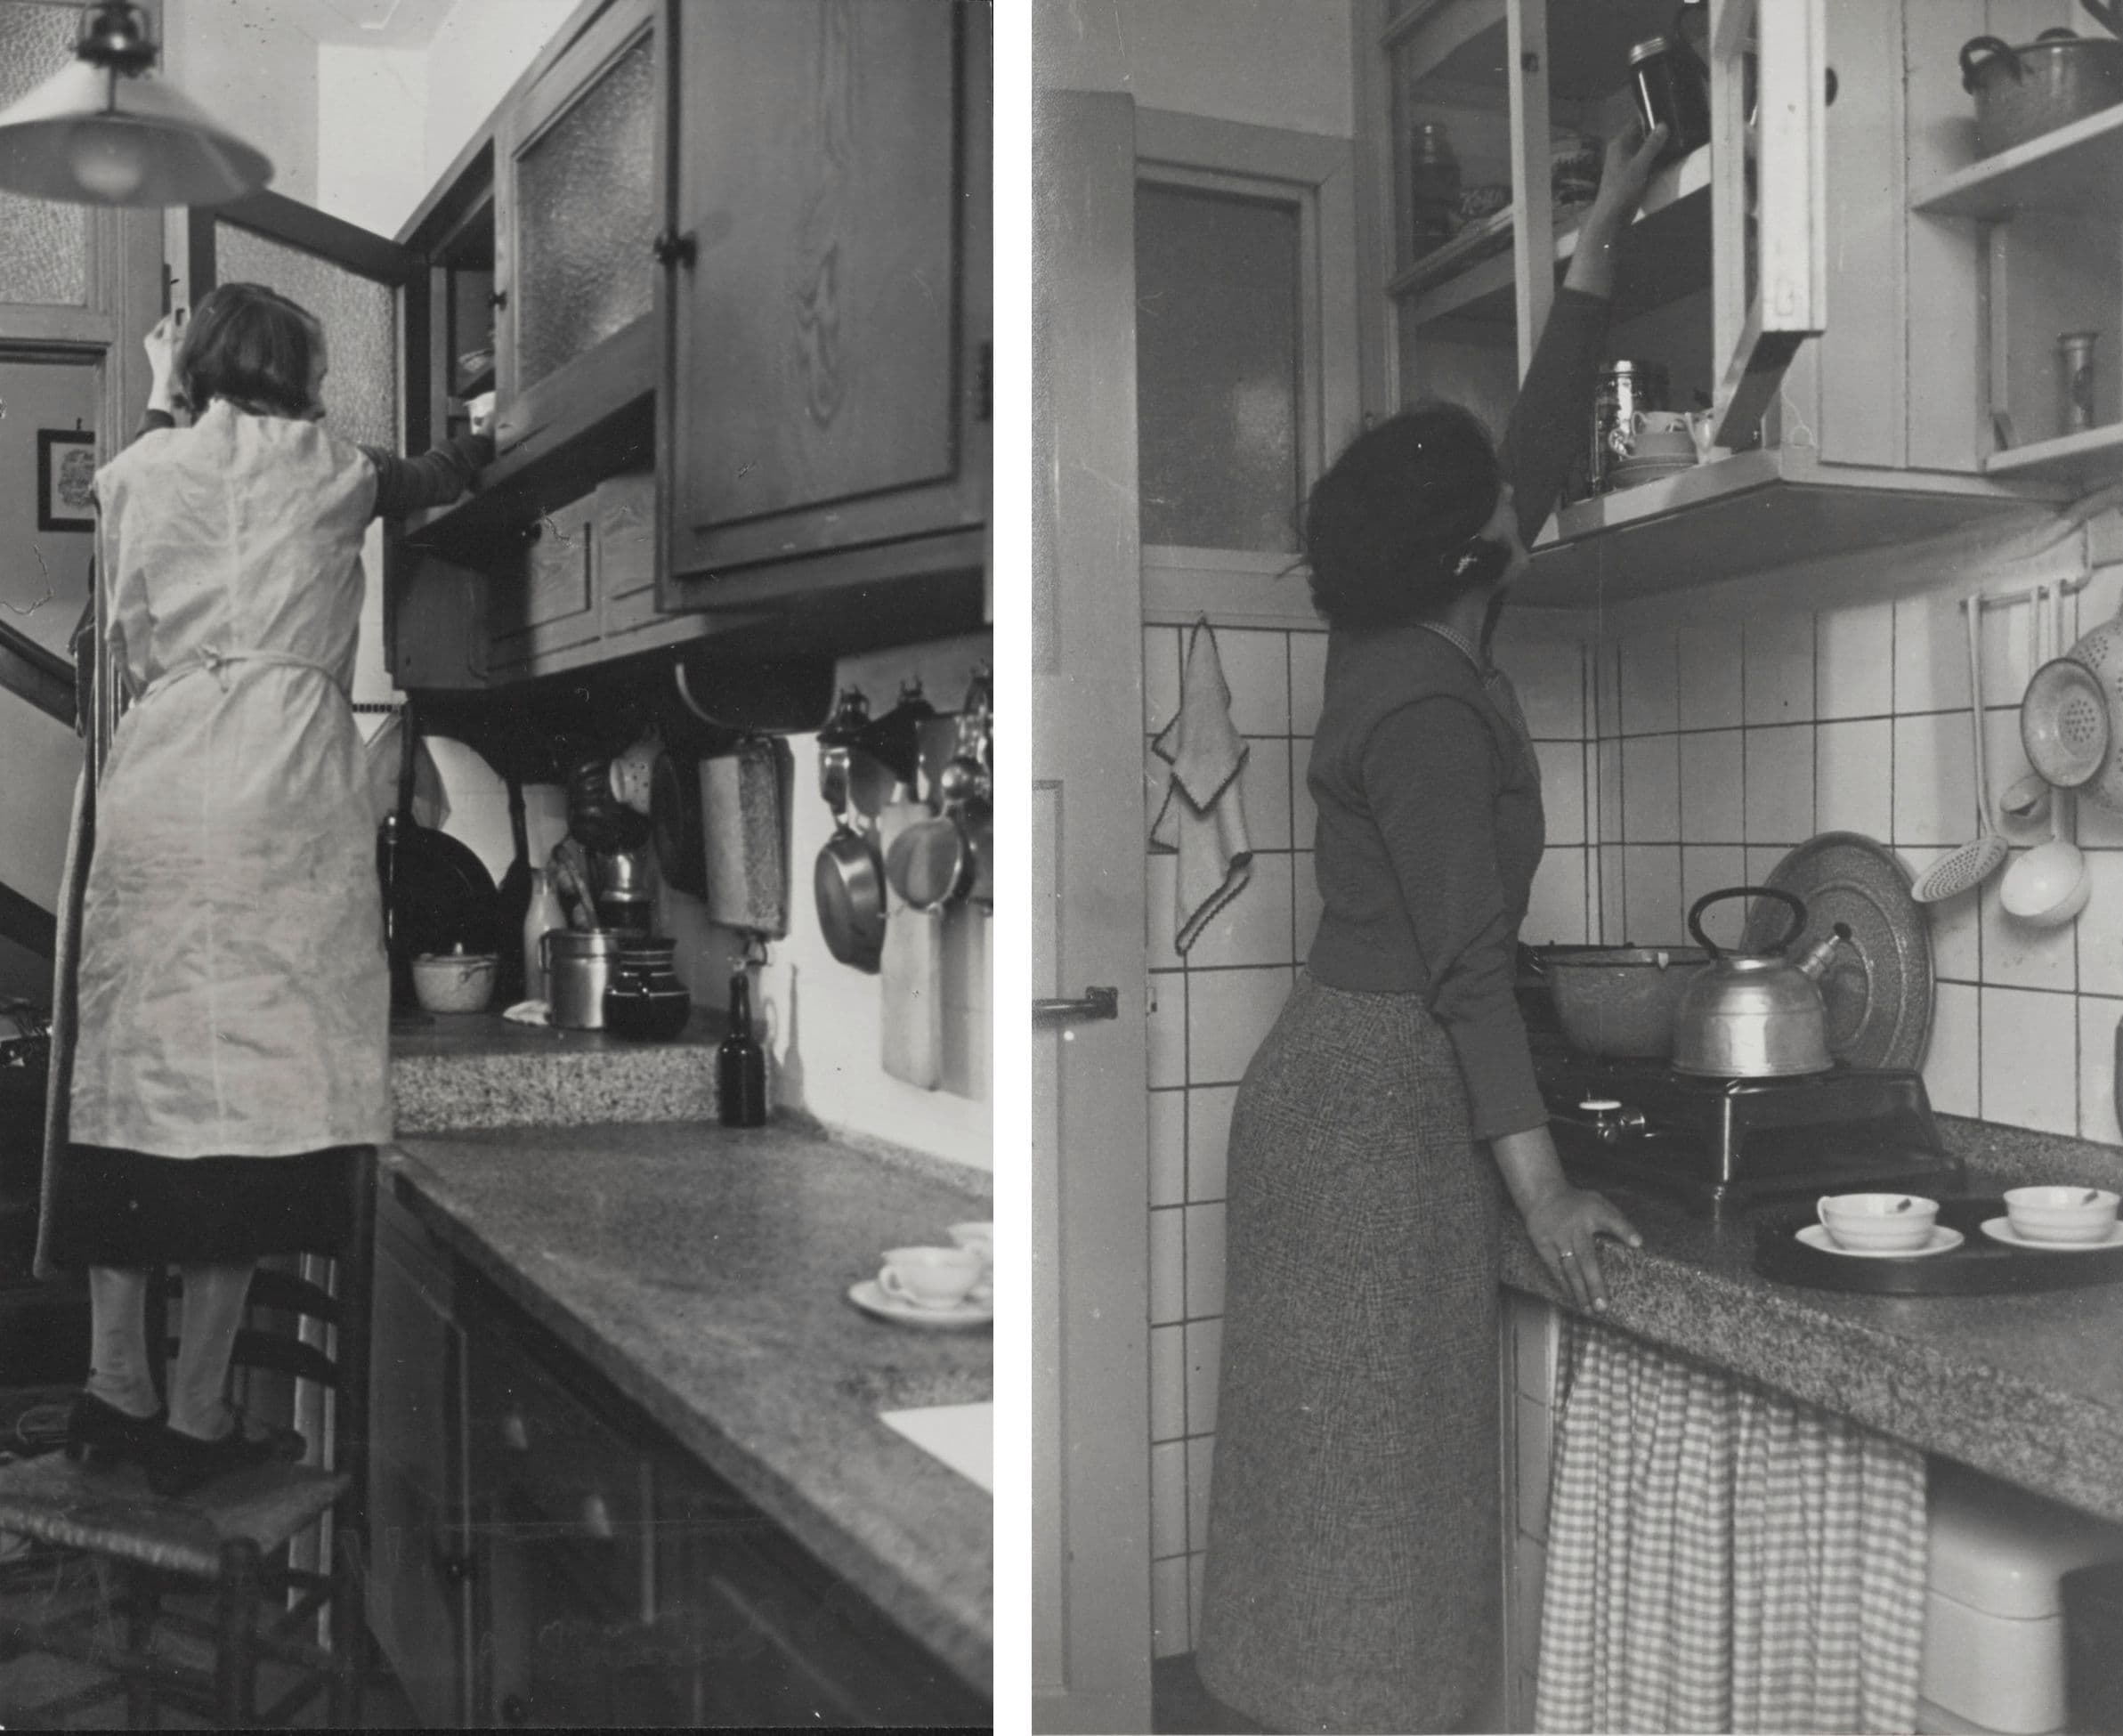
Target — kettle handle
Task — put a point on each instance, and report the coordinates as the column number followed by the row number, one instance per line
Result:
column 1979, row 51
column 1696, row 910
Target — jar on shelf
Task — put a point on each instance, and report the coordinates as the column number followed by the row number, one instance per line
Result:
column 1671, row 88
column 1433, row 188
column 2075, row 380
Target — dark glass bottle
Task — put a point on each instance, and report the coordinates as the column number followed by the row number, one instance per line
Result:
column 740, row 1064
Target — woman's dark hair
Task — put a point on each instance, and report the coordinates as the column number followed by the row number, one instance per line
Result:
column 1393, row 530
column 250, row 346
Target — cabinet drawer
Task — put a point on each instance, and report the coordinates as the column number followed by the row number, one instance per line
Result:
column 561, row 1482
column 555, row 605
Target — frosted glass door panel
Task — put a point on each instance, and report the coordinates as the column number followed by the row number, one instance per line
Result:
column 586, row 219
column 44, row 247
column 1217, row 321
column 361, row 391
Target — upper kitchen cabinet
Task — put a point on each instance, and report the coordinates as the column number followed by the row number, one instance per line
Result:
column 1773, row 277
column 825, row 307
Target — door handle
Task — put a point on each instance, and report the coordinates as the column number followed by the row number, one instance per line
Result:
column 1096, row 1003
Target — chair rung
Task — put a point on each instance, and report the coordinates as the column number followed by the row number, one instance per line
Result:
column 291, row 1295
column 288, row 1356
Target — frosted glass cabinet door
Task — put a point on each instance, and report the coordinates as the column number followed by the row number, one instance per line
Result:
column 44, row 247
column 827, row 313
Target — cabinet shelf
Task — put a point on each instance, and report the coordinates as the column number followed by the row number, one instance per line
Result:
column 2076, row 168
column 1667, row 255
column 606, row 426
column 2092, row 456
column 1755, row 512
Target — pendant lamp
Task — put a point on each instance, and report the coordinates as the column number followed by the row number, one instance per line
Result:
column 102, row 131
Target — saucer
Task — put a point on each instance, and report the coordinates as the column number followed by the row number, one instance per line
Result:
column 2000, row 1230
column 1943, row 1238
column 871, row 1298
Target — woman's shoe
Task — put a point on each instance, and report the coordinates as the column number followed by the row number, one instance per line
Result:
column 103, row 1437
column 178, row 1462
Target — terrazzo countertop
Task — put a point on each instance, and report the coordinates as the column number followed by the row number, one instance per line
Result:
column 481, row 1070
column 704, row 1271
column 2028, row 1388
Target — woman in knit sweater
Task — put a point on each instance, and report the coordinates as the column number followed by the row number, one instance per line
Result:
column 1352, row 1575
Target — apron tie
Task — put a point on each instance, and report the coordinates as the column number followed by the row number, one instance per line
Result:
column 216, row 662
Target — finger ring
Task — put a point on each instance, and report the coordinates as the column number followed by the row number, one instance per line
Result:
column 1567, row 1254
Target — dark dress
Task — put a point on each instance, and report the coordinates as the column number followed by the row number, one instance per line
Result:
column 1353, row 1576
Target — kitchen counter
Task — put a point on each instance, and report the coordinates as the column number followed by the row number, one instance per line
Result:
column 2028, row 1388
column 481, row 1070
column 704, row 1271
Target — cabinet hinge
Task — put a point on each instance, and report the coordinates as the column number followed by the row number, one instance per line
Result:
column 672, row 249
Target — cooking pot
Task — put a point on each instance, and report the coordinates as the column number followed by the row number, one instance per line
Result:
column 1619, row 1001
column 2023, row 92
column 1755, row 1015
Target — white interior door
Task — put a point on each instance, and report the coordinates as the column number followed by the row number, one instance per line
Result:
column 1091, row 1299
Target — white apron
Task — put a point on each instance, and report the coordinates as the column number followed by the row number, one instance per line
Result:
column 234, row 996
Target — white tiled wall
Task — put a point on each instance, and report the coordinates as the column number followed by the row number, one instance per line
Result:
column 1723, row 737
column 1211, row 1009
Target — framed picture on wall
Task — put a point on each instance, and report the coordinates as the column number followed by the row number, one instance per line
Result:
column 66, row 479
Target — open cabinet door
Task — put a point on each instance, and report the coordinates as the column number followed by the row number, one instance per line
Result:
column 1771, row 272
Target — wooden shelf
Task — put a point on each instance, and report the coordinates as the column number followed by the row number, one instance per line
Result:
column 1666, row 255
column 2076, row 168
column 607, row 424
column 1754, row 511
column 2081, row 459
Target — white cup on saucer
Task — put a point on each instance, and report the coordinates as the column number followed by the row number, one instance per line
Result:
column 929, row 1277
column 980, row 1237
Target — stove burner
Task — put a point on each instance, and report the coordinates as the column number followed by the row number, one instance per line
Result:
column 1728, row 1144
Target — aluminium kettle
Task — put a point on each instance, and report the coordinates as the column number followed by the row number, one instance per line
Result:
column 1755, row 1015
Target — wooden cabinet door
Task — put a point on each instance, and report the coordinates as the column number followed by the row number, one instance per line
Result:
column 825, row 297
column 420, row 1557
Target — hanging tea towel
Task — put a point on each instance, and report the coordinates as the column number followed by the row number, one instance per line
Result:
column 1203, row 816
column 744, row 818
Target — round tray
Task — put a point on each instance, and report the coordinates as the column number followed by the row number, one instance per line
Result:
column 1979, row 1267
column 1878, row 988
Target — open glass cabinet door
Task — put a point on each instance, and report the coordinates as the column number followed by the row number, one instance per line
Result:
column 1769, row 287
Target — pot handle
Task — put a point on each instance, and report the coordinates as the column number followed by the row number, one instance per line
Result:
column 1978, row 51
column 2058, row 33
column 1694, row 914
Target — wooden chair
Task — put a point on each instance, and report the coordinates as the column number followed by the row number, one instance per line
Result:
column 248, row 1543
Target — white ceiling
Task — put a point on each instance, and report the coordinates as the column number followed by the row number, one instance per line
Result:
column 373, row 23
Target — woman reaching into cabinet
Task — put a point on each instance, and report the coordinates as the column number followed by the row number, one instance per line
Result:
column 1352, row 1572
column 232, row 1040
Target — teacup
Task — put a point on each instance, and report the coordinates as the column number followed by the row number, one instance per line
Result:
column 2061, row 1214
column 1702, row 430
column 929, row 1278
column 1879, row 1222
column 1659, row 434
column 981, row 1238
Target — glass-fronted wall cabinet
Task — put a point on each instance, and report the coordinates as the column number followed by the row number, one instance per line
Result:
column 1772, row 281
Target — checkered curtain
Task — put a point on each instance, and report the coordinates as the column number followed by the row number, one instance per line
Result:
column 1722, row 1558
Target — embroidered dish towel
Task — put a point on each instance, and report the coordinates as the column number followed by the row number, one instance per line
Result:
column 1203, row 818
column 744, row 818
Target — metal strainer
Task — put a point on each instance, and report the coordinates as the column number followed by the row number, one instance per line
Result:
column 2064, row 722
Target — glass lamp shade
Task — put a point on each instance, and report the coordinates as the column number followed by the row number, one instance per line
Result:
column 90, row 136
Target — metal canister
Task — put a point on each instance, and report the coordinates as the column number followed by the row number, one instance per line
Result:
column 1433, row 188
column 2075, row 380
column 1625, row 387
column 579, row 964
column 1671, row 88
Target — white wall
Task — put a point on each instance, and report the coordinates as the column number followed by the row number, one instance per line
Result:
column 477, row 54
column 1271, row 62
column 372, row 130
column 253, row 65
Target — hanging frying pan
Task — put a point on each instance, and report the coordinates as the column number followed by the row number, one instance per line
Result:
column 438, row 894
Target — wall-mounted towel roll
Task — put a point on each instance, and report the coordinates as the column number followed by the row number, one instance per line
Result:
column 1203, row 816
column 744, row 817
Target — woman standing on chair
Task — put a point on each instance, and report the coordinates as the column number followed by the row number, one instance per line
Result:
column 1353, row 1572
column 232, row 1035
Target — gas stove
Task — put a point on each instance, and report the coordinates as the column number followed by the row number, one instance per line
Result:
column 1725, row 1145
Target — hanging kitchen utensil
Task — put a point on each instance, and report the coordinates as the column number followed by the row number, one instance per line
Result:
column 894, row 740
column 911, row 969
column 848, row 881
column 932, row 863
column 1753, row 1015
column 1878, row 986
column 2064, row 723
column 2026, row 798
column 744, row 820
column 2048, row 886
column 513, row 900
column 675, row 822
column 1962, row 870
column 440, row 894
column 597, row 818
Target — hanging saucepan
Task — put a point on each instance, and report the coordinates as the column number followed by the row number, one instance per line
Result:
column 934, row 863
column 848, row 881
column 894, row 740
column 2022, row 93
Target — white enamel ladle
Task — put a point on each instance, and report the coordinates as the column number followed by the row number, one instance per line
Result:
column 2048, row 886
column 1968, row 867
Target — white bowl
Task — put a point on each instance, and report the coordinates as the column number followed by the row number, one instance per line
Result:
column 2061, row 1214
column 1878, row 1220
column 455, row 982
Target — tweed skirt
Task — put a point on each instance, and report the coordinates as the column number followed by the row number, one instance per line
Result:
column 1353, row 1572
